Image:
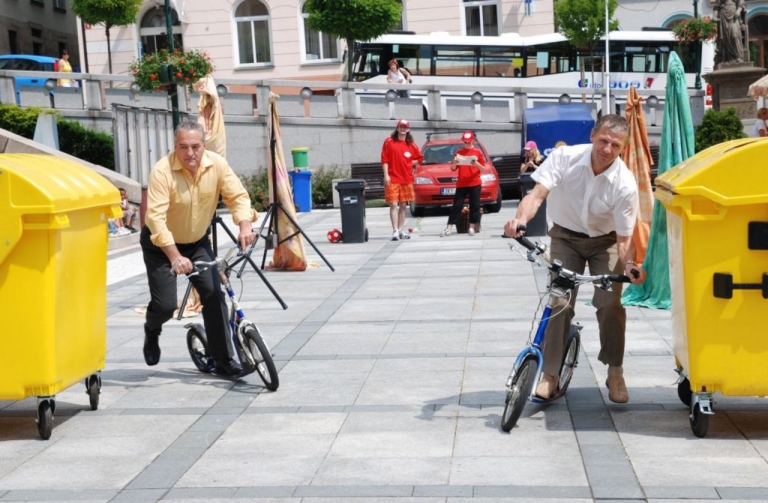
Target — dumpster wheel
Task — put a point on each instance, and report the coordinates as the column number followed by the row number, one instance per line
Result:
column 44, row 419
column 93, row 389
column 684, row 391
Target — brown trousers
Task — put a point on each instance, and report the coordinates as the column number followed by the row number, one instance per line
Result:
column 575, row 251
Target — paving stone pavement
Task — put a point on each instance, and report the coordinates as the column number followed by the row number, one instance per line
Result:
column 392, row 372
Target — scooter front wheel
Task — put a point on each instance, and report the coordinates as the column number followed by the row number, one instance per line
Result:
column 522, row 386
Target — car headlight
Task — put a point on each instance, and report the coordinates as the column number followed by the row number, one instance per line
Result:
column 488, row 177
column 420, row 180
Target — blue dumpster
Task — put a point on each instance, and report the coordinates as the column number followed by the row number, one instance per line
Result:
column 302, row 189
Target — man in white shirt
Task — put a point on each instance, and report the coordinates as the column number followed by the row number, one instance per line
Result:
column 593, row 203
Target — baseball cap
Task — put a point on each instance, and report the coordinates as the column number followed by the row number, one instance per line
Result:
column 403, row 122
column 530, row 145
column 468, row 136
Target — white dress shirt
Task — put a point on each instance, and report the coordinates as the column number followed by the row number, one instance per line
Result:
column 583, row 202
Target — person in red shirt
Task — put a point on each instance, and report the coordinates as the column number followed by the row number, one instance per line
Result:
column 468, row 184
column 399, row 158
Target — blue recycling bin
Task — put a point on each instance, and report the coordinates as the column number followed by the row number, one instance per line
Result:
column 302, row 189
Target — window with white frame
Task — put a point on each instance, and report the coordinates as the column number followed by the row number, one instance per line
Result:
column 252, row 32
column 481, row 18
column 154, row 33
column 318, row 46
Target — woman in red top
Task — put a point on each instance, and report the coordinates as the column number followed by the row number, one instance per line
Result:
column 468, row 184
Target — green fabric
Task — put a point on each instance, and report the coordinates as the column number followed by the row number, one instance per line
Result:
column 677, row 144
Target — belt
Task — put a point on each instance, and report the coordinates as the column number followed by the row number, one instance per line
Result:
column 575, row 234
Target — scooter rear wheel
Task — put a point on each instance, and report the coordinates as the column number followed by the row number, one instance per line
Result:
column 258, row 357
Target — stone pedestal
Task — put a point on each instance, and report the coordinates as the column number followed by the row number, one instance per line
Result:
column 729, row 88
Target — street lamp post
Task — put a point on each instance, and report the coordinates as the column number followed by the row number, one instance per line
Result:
column 173, row 90
column 697, row 49
column 607, row 78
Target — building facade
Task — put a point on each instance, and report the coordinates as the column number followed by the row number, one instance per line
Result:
column 638, row 14
column 39, row 27
column 267, row 39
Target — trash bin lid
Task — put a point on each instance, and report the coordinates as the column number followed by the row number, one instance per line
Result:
column 300, row 149
column 37, row 184
column 730, row 174
column 353, row 183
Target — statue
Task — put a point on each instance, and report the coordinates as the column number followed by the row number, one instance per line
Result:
column 732, row 37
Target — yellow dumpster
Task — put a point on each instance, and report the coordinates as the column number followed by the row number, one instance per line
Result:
column 717, row 229
column 53, row 262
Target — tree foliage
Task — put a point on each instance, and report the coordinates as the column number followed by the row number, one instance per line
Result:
column 109, row 13
column 583, row 21
column 718, row 126
column 353, row 20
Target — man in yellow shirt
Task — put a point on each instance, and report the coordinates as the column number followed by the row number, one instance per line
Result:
column 182, row 194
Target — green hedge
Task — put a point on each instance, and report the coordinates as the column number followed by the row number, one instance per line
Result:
column 322, row 186
column 718, row 126
column 92, row 146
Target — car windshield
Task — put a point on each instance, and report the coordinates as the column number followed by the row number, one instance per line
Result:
column 441, row 154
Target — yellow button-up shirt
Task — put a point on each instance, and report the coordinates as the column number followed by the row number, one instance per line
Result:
column 180, row 208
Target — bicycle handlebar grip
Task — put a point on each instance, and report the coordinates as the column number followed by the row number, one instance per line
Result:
column 524, row 240
column 620, row 278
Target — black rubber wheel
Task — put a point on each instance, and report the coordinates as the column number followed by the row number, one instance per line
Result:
column 570, row 359
column 699, row 422
column 495, row 207
column 416, row 211
column 258, row 357
column 44, row 419
column 518, row 395
column 94, row 390
column 197, row 344
column 684, row 391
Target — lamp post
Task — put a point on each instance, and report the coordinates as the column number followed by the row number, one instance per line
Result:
column 697, row 49
column 607, row 78
column 173, row 90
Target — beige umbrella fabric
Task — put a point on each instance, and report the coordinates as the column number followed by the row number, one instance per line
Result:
column 759, row 88
column 211, row 115
column 637, row 157
column 289, row 254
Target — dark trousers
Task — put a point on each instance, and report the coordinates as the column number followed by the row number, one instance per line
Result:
column 576, row 251
column 458, row 204
column 162, row 289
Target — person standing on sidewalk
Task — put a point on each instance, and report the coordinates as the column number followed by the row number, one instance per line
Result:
column 593, row 201
column 399, row 157
column 467, row 184
column 182, row 194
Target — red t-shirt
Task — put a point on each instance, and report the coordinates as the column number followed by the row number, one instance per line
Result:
column 399, row 156
column 469, row 176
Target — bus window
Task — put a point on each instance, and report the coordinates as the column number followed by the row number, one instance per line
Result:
column 455, row 61
column 500, row 62
column 409, row 57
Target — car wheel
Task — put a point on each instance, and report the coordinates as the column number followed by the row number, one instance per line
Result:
column 495, row 207
column 416, row 211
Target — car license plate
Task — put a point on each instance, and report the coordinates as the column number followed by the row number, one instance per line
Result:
column 447, row 192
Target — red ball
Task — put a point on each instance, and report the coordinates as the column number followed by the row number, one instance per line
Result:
column 334, row 235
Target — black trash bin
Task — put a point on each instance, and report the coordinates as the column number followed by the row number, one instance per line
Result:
column 538, row 224
column 352, row 200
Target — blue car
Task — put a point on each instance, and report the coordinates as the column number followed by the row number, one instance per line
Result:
column 28, row 63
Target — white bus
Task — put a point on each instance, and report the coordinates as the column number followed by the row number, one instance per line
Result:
column 637, row 58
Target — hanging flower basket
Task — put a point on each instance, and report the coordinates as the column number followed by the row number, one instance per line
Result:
column 188, row 68
column 695, row 29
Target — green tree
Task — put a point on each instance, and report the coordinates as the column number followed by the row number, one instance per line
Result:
column 718, row 126
column 353, row 20
column 583, row 23
column 109, row 13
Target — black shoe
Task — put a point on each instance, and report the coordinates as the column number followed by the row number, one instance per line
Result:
column 151, row 349
column 228, row 366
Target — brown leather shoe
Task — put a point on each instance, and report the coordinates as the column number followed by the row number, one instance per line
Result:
column 547, row 385
column 617, row 388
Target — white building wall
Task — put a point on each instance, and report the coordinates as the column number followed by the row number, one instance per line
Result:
column 210, row 28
